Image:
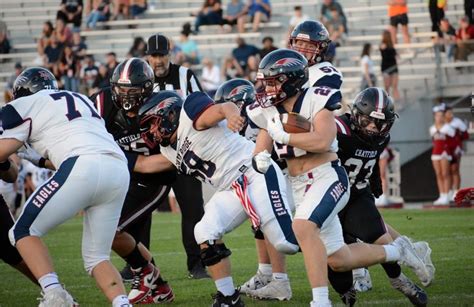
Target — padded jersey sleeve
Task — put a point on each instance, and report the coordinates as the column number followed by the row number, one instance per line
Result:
column 324, row 98
column 14, row 125
column 195, row 104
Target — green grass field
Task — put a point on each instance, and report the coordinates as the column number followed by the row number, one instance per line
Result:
column 449, row 232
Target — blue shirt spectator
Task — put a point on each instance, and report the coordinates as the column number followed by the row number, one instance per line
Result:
column 243, row 52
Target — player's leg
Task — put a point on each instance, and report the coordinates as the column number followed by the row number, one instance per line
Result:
column 188, row 192
column 223, row 213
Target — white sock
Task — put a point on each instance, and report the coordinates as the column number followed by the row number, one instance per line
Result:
column 320, row 294
column 225, row 286
column 265, row 268
column 49, row 282
column 391, row 253
column 121, row 300
column 280, row 276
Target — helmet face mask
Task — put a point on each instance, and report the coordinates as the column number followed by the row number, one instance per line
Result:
column 129, row 98
column 271, row 93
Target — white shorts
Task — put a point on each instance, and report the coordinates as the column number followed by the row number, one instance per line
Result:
column 96, row 184
column 268, row 195
column 443, row 156
column 319, row 196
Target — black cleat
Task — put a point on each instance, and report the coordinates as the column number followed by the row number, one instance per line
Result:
column 126, row 273
column 227, row 301
column 349, row 298
column 198, row 272
column 415, row 294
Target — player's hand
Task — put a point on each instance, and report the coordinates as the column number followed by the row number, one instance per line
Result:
column 464, row 196
column 262, row 161
column 276, row 132
column 28, row 153
column 235, row 122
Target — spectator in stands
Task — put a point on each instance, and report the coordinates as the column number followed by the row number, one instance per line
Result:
column 176, row 54
column 398, row 14
column 436, row 8
column 297, row 17
column 268, row 46
column 70, row 11
column 210, row 14
column 45, row 39
column 367, row 68
column 447, row 38
column 68, row 65
column 138, row 8
column 138, row 49
column 330, row 55
column 88, row 74
column 188, row 46
column 469, row 10
column 385, row 157
column 100, row 12
column 121, row 8
column 102, row 80
column 210, row 77
column 110, row 63
column 53, row 54
column 8, row 95
column 258, row 11
column 79, row 48
column 326, row 13
column 4, row 42
column 235, row 14
column 63, row 33
column 335, row 26
column 464, row 39
column 245, row 54
column 389, row 65
column 231, row 69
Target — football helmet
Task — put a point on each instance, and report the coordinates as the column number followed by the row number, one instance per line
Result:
column 239, row 91
column 313, row 32
column 33, row 80
column 283, row 73
column 373, row 105
column 132, row 82
column 159, row 118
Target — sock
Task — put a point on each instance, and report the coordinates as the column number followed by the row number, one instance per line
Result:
column 265, row 268
column 225, row 286
column 280, row 276
column 135, row 259
column 393, row 270
column 340, row 281
column 320, row 294
column 121, row 300
column 49, row 282
column 391, row 253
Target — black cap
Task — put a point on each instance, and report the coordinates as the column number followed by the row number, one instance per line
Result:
column 18, row 65
column 158, row 44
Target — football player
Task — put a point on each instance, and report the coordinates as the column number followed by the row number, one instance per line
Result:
column 132, row 83
column 65, row 128
column 271, row 280
column 195, row 137
column 319, row 182
column 362, row 137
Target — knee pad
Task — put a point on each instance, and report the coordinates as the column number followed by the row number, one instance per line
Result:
column 214, row 253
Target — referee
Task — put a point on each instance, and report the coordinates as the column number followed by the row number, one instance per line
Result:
column 188, row 190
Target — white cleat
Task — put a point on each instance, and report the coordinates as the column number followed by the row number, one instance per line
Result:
column 257, row 281
column 362, row 280
column 276, row 289
column 57, row 297
column 423, row 251
column 409, row 257
column 320, row 304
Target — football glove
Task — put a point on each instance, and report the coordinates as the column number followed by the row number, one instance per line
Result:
column 276, row 131
column 262, row 161
column 28, row 153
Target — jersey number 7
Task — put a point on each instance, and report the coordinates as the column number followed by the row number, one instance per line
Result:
column 71, row 99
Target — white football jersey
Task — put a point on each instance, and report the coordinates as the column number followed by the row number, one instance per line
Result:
column 58, row 125
column 308, row 104
column 324, row 74
column 216, row 155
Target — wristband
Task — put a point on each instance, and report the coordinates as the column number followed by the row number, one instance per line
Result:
column 42, row 162
column 5, row 166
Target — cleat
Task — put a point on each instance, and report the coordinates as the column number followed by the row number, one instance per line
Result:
column 414, row 293
column 143, row 283
column 126, row 273
column 257, row 281
column 320, row 304
column 57, row 297
column 362, row 280
column 159, row 295
column 409, row 257
column 198, row 272
column 423, row 251
column 276, row 289
column 349, row 298
column 227, row 301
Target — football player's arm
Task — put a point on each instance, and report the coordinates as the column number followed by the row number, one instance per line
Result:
column 320, row 139
column 8, row 169
column 152, row 164
column 375, row 181
column 218, row 112
column 263, row 142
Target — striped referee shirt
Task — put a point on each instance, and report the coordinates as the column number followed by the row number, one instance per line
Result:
column 180, row 79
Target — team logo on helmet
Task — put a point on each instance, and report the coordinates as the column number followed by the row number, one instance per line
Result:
column 163, row 104
column 44, row 74
column 287, row 62
column 324, row 34
column 240, row 89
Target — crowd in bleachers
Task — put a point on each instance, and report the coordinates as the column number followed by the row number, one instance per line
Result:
column 62, row 49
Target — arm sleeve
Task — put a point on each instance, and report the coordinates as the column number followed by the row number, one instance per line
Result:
column 375, row 181
column 13, row 125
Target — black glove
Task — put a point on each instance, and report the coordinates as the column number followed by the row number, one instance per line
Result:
column 376, row 182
